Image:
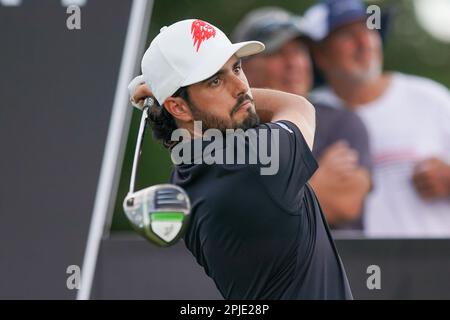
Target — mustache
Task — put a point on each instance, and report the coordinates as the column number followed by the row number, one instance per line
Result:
column 241, row 99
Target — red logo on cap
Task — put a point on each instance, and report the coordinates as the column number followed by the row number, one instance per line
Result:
column 201, row 31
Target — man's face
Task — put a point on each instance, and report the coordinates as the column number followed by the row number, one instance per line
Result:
column 224, row 101
column 352, row 51
column 288, row 69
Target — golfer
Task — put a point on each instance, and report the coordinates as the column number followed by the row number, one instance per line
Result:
column 258, row 236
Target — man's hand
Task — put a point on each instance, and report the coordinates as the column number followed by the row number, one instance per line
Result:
column 431, row 179
column 339, row 161
column 340, row 183
column 138, row 91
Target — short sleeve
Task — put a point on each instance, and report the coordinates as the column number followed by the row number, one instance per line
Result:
column 296, row 165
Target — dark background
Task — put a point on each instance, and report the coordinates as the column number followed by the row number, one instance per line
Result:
column 56, row 94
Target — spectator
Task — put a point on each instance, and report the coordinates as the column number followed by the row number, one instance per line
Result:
column 407, row 117
column 341, row 144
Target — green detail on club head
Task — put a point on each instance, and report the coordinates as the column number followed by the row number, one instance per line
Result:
column 167, row 216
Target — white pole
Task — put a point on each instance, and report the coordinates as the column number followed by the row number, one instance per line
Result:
column 113, row 144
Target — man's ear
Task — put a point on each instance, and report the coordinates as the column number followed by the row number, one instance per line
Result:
column 179, row 109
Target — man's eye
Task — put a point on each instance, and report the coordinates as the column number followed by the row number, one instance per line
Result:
column 214, row 82
column 237, row 69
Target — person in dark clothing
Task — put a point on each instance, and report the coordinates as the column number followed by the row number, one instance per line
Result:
column 256, row 227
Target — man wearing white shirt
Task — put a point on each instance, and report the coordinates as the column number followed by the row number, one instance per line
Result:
column 407, row 117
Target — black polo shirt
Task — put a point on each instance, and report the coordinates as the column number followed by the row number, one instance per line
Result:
column 263, row 236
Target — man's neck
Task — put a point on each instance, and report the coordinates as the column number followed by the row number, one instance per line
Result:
column 358, row 93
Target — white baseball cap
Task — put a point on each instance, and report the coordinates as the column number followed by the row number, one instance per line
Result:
column 187, row 52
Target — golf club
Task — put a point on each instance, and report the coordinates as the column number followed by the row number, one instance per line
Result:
column 159, row 213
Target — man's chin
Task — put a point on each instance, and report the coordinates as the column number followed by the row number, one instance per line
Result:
column 250, row 121
column 368, row 71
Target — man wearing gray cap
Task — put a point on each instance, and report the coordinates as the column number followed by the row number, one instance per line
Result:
column 341, row 143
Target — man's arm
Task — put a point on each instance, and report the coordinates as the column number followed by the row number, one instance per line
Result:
column 272, row 105
column 341, row 195
column 342, row 181
column 291, row 120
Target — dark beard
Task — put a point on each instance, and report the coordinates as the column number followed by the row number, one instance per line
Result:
column 251, row 121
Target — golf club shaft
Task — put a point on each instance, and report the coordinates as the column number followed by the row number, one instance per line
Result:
column 138, row 148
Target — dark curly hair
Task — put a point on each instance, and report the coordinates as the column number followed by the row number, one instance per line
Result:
column 162, row 122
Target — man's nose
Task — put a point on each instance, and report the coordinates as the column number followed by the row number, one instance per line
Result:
column 363, row 37
column 239, row 85
column 295, row 59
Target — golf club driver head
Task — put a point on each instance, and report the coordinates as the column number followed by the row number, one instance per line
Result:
column 159, row 213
